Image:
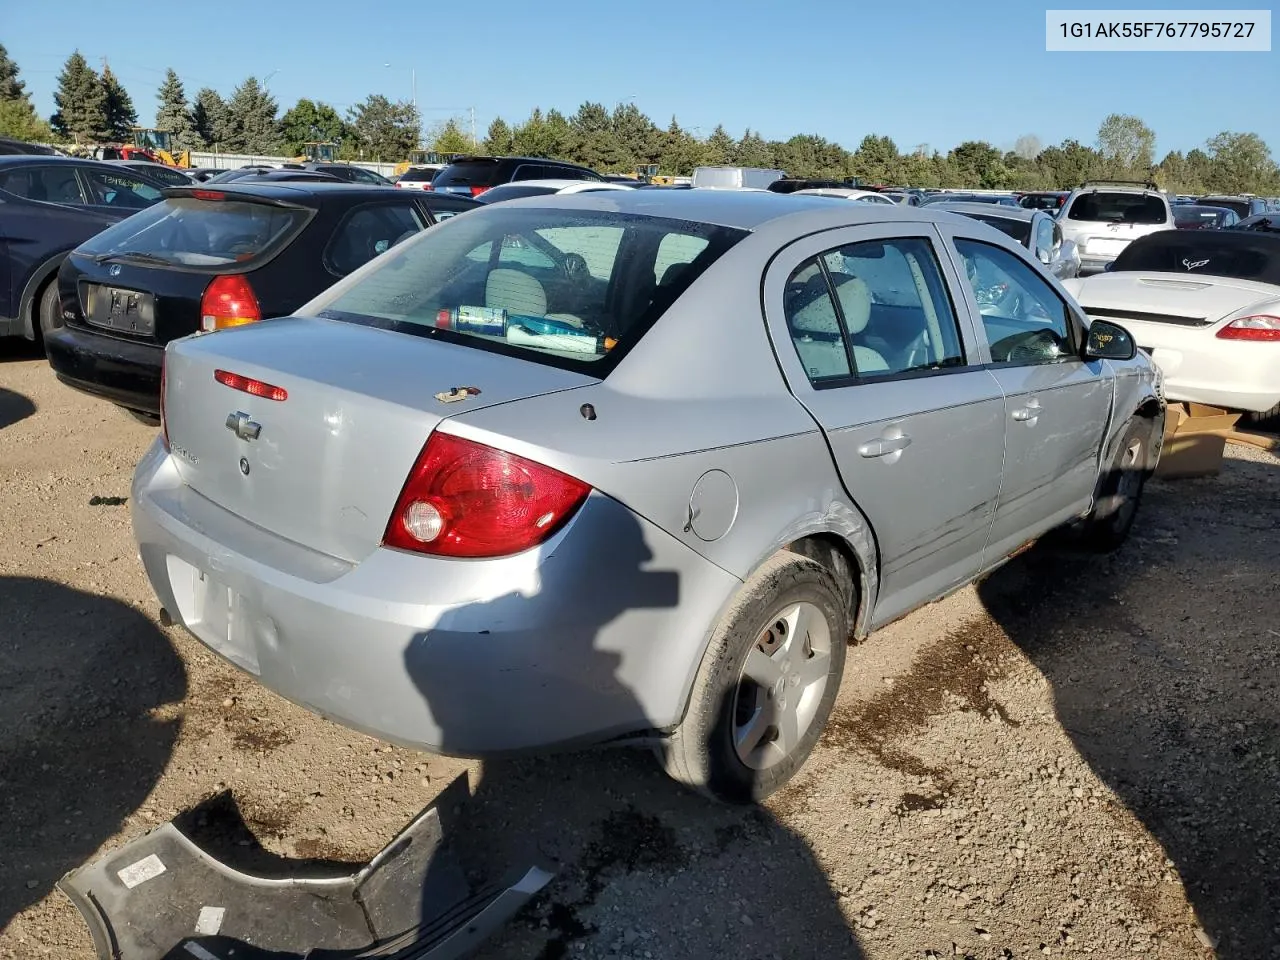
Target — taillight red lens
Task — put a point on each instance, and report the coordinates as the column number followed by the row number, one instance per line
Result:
column 476, row 191
column 208, row 194
column 1262, row 327
column 164, row 382
column 248, row 385
column 466, row 499
column 228, row 301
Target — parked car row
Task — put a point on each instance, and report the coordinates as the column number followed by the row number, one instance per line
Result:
column 524, row 364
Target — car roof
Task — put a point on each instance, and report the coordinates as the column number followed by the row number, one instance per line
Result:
column 305, row 193
column 743, row 209
column 14, row 158
column 987, row 209
column 558, row 184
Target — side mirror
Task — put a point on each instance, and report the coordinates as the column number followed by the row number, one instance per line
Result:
column 1109, row 341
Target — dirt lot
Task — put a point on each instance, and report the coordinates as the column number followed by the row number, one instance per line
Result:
column 1080, row 756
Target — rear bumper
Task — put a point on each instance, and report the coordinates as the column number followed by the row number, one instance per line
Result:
column 593, row 636
column 122, row 371
column 1199, row 367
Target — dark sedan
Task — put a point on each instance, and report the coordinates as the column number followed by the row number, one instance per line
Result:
column 215, row 256
column 49, row 205
column 1195, row 216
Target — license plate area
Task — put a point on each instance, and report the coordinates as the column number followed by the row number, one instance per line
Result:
column 1106, row 245
column 215, row 613
column 119, row 309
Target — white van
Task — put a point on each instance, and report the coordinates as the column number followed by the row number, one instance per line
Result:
column 736, row 178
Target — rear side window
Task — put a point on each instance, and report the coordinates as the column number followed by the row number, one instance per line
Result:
column 1102, row 207
column 569, row 288
column 1019, row 230
column 201, row 234
column 468, row 173
column 877, row 308
column 368, row 231
column 48, row 184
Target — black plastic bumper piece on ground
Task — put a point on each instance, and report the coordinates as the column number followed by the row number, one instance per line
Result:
column 161, row 897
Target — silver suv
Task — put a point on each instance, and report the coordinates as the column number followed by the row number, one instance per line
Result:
column 1103, row 216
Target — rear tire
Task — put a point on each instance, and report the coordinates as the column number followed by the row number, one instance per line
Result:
column 1120, row 492
column 49, row 309
column 766, row 685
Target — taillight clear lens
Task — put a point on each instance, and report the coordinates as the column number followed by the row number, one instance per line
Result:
column 466, row 499
column 228, row 301
column 1262, row 327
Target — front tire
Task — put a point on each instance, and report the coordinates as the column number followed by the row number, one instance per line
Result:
column 766, row 684
column 50, row 309
column 1120, row 493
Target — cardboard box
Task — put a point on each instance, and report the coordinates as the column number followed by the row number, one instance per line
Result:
column 1195, row 436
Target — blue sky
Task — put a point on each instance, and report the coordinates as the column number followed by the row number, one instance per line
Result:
column 920, row 72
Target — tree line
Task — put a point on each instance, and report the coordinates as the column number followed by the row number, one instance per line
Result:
column 94, row 107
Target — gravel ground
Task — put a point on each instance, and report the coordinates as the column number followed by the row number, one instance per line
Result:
column 1077, row 757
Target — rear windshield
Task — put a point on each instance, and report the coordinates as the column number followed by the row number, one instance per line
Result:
column 200, row 234
column 1240, row 207
column 569, row 288
column 1188, row 216
column 1241, row 255
column 1042, row 201
column 416, row 176
column 468, row 173
column 1020, row 230
column 1102, row 207
column 514, row 191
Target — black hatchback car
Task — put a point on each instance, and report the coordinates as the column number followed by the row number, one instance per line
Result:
column 209, row 257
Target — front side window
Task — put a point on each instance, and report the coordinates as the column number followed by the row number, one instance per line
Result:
column 1025, row 320
column 569, row 288
column 48, row 184
column 872, row 309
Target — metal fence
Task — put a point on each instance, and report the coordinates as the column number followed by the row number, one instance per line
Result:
column 230, row 161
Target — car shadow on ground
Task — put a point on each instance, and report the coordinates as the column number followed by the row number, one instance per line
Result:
column 620, row 835
column 89, row 695
column 1164, row 664
column 19, row 348
column 14, row 407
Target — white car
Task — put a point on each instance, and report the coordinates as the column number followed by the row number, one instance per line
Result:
column 847, row 193
column 1102, row 217
column 1206, row 305
column 541, row 188
column 419, row 176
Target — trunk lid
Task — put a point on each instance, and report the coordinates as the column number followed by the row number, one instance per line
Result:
column 329, row 461
column 1161, row 298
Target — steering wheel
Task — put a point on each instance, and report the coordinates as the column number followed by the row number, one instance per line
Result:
column 574, row 267
column 1041, row 345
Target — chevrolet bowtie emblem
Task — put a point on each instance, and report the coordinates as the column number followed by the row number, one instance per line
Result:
column 242, row 426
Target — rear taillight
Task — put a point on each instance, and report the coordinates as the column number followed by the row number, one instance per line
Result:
column 164, row 382
column 228, row 301
column 208, row 194
column 427, row 186
column 476, row 191
column 465, row 499
column 397, row 184
column 250, row 386
column 1261, row 327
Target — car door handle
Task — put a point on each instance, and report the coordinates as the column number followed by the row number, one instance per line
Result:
column 1029, row 413
column 884, row 446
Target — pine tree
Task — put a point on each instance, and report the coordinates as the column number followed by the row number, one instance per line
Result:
column 210, row 119
column 81, row 102
column 11, row 88
column 121, row 115
column 252, row 115
column 451, row 139
column 174, row 115
column 497, row 141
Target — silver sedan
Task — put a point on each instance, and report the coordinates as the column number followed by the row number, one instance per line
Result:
column 630, row 467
